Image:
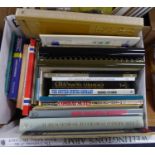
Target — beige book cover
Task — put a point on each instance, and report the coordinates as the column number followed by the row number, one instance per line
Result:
column 22, row 77
column 34, row 22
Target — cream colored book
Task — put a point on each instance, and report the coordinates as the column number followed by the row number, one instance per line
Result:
column 34, row 22
column 22, row 77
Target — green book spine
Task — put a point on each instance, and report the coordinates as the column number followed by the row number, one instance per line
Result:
column 86, row 123
column 8, row 70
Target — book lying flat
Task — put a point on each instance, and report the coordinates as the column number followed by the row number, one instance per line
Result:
column 34, row 22
column 96, row 112
column 62, row 51
column 66, row 92
column 90, row 98
column 81, row 123
column 13, row 137
column 88, row 40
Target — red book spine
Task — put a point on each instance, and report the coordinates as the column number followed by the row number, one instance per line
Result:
column 29, row 79
column 99, row 113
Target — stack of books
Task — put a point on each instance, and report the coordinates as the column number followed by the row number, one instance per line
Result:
column 77, row 73
column 86, row 87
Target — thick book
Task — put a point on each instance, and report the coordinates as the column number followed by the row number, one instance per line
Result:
column 89, row 98
column 34, row 22
column 22, row 77
column 88, row 40
column 16, row 69
column 84, row 113
column 95, row 57
column 81, row 123
column 13, row 137
column 65, row 51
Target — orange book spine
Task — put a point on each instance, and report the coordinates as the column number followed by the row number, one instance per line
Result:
column 29, row 79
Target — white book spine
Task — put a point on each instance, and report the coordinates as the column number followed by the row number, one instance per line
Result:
column 101, row 140
column 93, row 78
column 50, row 40
column 90, row 91
column 49, row 75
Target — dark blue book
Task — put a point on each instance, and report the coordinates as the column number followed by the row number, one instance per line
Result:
column 89, row 98
column 16, row 69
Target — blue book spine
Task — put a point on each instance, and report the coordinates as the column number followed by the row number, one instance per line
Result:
column 89, row 98
column 16, row 69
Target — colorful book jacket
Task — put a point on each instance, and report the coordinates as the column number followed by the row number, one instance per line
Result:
column 29, row 78
column 16, row 69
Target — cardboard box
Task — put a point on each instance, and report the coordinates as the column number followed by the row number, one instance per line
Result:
column 149, row 31
column 7, row 108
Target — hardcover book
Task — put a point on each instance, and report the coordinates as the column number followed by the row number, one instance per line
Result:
column 16, row 69
column 96, row 112
column 22, row 77
column 81, row 123
column 34, row 22
column 88, row 40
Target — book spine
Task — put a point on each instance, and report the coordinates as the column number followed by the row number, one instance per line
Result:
column 16, row 69
column 89, row 98
column 49, row 40
column 86, row 74
column 138, row 139
column 81, row 123
column 91, row 91
column 131, row 64
column 29, row 78
column 91, row 103
column 121, row 55
column 84, row 113
column 9, row 64
column 78, row 23
column 22, row 77
column 88, row 84
column 93, row 78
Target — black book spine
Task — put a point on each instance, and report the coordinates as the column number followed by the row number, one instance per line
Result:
column 49, row 52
